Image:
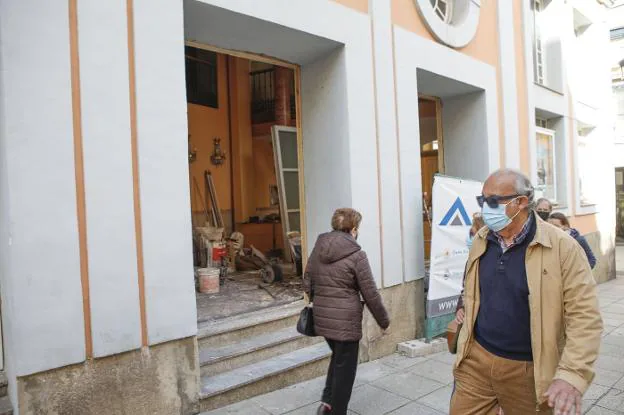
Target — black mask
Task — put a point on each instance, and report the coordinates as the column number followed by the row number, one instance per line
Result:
column 543, row 215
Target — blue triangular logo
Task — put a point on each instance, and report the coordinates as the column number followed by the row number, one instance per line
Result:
column 456, row 214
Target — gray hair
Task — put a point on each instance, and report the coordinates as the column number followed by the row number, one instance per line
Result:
column 522, row 186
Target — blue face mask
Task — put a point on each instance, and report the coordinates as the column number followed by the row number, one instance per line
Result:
column 496, row 219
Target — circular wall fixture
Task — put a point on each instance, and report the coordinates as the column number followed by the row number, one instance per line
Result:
column 453, row 22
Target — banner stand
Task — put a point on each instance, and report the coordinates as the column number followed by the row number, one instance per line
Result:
column 436, row 326
column 453, row 204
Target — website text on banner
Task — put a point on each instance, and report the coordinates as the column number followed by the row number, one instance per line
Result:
column 453, row 204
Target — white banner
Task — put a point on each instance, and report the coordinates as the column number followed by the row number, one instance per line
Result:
column 453, row 204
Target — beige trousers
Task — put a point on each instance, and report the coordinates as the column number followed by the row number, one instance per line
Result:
column 483, row 382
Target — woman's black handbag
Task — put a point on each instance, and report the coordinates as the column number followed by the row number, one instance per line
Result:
column 305, row 325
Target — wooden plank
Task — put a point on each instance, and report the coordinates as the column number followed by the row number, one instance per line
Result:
column 242, row 54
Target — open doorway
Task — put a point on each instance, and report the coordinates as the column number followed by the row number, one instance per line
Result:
column 245, row 181
column 431, row 157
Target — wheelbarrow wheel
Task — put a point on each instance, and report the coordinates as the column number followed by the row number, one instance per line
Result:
column 271, row 273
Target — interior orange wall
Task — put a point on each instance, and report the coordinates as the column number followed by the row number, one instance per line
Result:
column 242, row 145
column 204, row 124
column 264, row 167
column 359, row 5
column 252, row 157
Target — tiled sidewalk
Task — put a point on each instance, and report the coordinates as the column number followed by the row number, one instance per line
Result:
column 402, row 386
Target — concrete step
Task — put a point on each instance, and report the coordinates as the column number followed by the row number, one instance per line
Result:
column 215, row 360
column 5, row 406
column 4, row 383
column 244, row 326
column 264, row 376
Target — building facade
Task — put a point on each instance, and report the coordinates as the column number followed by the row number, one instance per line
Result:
column 99, row 311
column 616, row 24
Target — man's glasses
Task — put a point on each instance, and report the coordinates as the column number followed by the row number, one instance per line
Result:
column 494, row 200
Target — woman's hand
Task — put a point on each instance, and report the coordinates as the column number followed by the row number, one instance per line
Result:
column 459, row 316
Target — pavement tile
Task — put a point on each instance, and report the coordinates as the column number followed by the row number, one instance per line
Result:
column 370, row 400
column 408, row 384
column 612, row 350
column 398, row 361
column 613, row 400
column 445, row 357
column 614, row 338
column 595, row 392
column 606, row 377
column 597, row 410
column 415, row 408
column 293, row 397
column 247, row 407
column 610, row 363
column 587, row 405
column 370, row 372
column 440, row 399
column 434, row 370
column 311, row 409
column 614, row 308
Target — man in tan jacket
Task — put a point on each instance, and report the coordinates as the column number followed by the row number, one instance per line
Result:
column 532, row 326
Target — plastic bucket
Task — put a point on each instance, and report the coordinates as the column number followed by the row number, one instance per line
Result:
column 208, row 280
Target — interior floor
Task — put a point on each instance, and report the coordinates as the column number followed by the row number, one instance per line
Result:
column 245, row 292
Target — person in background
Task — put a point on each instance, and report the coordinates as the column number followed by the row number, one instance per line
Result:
column 543, row 208
column 524, row 353
column 561, row 221
column 336, row 275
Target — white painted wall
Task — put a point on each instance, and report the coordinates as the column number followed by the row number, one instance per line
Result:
column 326, row 158
column 5, row 266
column 464, row 123
column 388, row 153
column 113, row 278
column 163, row 165
column 41, row 289
column 509, row 86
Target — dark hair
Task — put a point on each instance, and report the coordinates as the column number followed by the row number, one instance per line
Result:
column 561, row 218
column 346, row 219
column 543, row 199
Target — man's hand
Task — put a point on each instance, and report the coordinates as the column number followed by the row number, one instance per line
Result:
column 459, row 316
column 565, row 398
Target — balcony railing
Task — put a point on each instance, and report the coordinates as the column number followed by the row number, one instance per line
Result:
column 263, row 97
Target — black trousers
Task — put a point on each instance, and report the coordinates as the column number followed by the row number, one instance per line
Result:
column 340, row 375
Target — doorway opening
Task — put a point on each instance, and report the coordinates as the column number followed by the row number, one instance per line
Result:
column 431, row 157
column 245, row 178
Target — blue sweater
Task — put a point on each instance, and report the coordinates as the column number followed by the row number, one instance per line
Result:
column 503, row 325
column 583, row 242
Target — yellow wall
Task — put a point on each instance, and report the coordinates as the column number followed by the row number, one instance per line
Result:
column 249, row 167
column 359, row 5
column 204, row 124
column 264, row 168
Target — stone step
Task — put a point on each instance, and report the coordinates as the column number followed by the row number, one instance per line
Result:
column 264, row 376
column 5, row 406
column 216, row 360
column 244, row 326
column 4, row 383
